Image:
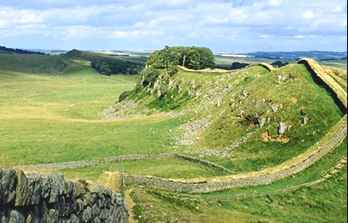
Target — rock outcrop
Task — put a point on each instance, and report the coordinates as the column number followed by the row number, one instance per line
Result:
column 39, row 199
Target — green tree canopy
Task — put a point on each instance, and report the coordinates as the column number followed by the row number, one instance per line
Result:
column 190, row 57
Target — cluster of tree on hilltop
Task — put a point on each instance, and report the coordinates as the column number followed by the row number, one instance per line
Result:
column 17, row 51
column 190, row 57
column 110, row 66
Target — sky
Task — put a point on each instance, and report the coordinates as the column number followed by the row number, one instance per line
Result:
column 222, row 25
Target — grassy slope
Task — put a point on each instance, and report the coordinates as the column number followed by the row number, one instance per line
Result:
column 299, row 93
column 45, row 118
column 219, row 99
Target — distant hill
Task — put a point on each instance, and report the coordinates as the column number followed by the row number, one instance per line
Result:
column 109, row 64
column 33, row 63
column 37, row 62
column 17, row 51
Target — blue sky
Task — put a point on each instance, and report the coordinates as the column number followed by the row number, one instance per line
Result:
column 222, row 25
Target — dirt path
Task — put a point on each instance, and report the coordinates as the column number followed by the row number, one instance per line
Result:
column 130, row 205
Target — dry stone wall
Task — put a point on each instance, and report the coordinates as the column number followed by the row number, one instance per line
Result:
column 327, row 80
column 41, row 199
column 269, row 67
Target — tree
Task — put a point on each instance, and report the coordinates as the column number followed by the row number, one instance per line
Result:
column 191, row 57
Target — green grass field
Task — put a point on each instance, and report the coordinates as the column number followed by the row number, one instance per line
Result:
column 58, row 117
column 55, row 118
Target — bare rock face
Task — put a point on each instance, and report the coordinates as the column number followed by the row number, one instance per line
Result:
column 282, row 128
column 261, row 121
column 274, row 108
column 41, row 199
column 304, row 120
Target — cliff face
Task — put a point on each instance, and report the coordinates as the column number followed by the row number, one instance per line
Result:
column 39, row 199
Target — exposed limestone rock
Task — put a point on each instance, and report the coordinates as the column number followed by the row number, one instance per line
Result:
column 16, row 217
column 51, row 199
column 275, row 108
column 304, row 120
column 244, row 94
column 191, row 131
column 282, row 128
column 261, row 121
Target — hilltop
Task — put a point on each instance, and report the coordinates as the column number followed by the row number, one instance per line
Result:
column 17, row 51
column 35, row 62
column 229, row 105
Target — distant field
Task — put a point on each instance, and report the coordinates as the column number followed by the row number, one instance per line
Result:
column 226, row 61
column 336, row 63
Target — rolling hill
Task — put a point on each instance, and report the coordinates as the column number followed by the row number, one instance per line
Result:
column 254, row 144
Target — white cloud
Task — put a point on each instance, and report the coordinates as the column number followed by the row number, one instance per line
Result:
column 12, row 17
column 175, row 21
column 275, row 2
column 299, row 36
column 71, row 32
column 119, row 34
column 264, row 36
column 308, row 14
column 174, row 2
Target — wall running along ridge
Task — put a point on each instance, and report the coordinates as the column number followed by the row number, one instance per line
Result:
column 39, row 199
column 330, row 141
column 207, row 70
column 327, row 79
column 269, row 67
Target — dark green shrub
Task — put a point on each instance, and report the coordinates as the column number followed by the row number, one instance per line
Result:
column 123, row 96
column 190, row 57
column 149, row 76
column 172, row 70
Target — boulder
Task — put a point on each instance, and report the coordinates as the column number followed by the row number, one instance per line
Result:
column 282, row 127
column 16, row 217
column 7, row 186
column 304, row 120
column 261, row 121
column 22, row 190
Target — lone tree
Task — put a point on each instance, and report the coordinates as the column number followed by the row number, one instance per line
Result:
column 190, row 57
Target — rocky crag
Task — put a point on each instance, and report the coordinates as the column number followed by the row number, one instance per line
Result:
column 39, row 199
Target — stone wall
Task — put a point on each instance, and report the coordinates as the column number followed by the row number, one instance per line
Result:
column 269, row 67
column 207, row 70
column 206, row 163
column 39, row 199
column 327, row 81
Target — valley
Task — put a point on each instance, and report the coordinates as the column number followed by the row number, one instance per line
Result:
column 183, row 125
